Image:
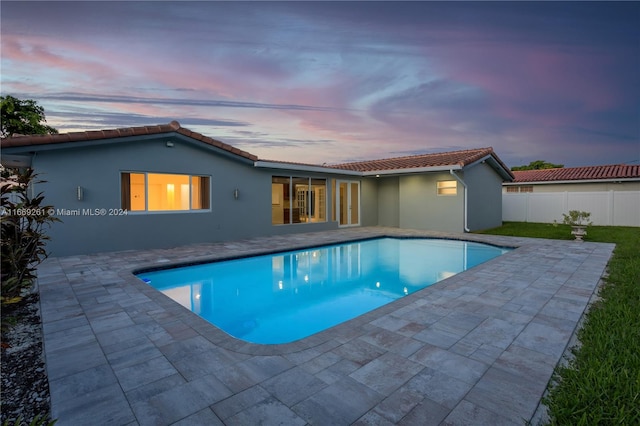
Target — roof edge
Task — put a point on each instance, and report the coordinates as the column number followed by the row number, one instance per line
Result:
column 92, row 136
column 573, row 181
column 270, row 164
column 506, row 171
column 412, row 170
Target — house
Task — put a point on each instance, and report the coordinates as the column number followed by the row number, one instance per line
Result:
column 163, row 186
column 610, row 193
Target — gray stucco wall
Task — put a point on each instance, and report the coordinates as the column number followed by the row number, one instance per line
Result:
column 422, row 208
column 369, row 199
column 389, row 201
column 97, row 169
column 484, row 201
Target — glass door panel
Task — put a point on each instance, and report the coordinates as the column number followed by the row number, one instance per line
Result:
column 348, row 203
column 354, row 203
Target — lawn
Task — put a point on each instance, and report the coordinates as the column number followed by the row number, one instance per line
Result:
column 600, row 384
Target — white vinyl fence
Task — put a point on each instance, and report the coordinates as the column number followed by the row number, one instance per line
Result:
column 607, row 208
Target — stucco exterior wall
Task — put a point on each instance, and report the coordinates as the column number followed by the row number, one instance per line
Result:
column 422, row 208
column 388, row 201
column 369, row 199
column 402, row 200
column 97, row 169
column 484, row 202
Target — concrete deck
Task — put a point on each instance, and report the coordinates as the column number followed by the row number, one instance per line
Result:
column 476, row 348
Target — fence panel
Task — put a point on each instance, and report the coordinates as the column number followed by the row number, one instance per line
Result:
column 544, row 207
column 514, row 207
column 617, row 208
column 596, row 203
column 626, row 208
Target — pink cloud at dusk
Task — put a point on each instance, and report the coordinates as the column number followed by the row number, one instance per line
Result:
column 340, row 81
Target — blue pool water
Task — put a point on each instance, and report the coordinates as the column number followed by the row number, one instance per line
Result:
column 283, row 297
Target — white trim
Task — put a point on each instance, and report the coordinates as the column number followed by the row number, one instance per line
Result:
column 349, row 206
column 310, row 168
column 505, row 174
column 303, row 168
column 485, row 158
column 409, row 170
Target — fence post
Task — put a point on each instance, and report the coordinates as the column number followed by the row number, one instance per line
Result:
column 610, row 210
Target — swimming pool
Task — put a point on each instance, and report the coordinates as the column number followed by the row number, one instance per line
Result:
column 284, row 297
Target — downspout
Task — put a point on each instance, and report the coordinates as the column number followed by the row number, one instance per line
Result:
column 466, row 228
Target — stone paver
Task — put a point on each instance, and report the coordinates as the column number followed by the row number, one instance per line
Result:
column 476, row 348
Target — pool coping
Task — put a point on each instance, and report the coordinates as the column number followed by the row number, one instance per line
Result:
column 227, row 341
column 116, row 348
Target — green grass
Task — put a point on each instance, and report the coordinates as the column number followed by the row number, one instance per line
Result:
column 600, row 385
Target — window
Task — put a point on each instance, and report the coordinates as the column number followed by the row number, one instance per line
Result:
column 164, row 192
column 447, row 187
column 520, row 188
column 298, row 200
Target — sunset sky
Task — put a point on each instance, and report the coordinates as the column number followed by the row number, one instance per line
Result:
column 330, row 82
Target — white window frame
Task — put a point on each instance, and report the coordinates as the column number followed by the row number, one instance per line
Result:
column 441, row 190
column 146, row 192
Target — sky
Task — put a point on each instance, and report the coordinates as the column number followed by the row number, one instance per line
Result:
column 333, row 82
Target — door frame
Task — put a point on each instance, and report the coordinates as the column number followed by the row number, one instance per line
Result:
column 348, row 197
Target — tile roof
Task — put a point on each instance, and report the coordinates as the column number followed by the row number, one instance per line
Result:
column 615, row 171
column 173, row 127
column 453, row 158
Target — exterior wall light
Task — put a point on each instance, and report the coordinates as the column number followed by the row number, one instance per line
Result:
column 169, row 144
column 236, row 193
column 79, row 193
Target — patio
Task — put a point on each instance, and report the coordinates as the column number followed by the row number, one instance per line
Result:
column 476, row 348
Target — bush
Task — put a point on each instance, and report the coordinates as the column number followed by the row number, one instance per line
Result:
column 23, row 219
column 576, row 218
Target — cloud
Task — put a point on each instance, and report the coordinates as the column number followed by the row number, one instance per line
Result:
column 336, row 80
column 91, row 98
column 72, row 120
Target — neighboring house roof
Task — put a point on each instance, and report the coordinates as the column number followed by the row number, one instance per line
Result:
column 574, row 174
column 96, row 135
column 424, row 162
column 455, row 160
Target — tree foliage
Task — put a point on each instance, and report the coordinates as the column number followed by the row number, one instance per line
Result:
column 538, row 165
column 23, row 117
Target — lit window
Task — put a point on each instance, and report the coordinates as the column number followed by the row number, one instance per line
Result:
column 298, row 200
column 164, row 192
column 447, row 187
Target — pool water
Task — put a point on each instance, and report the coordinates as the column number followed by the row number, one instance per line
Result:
column 283, row 297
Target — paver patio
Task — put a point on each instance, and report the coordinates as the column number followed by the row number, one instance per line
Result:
column 476, row 348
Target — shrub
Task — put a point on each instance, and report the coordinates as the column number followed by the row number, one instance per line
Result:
column 23, row 219
column 576, row 218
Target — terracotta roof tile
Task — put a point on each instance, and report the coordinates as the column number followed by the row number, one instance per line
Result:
column 615, row 171
column 453, row 158
column 92, row 135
